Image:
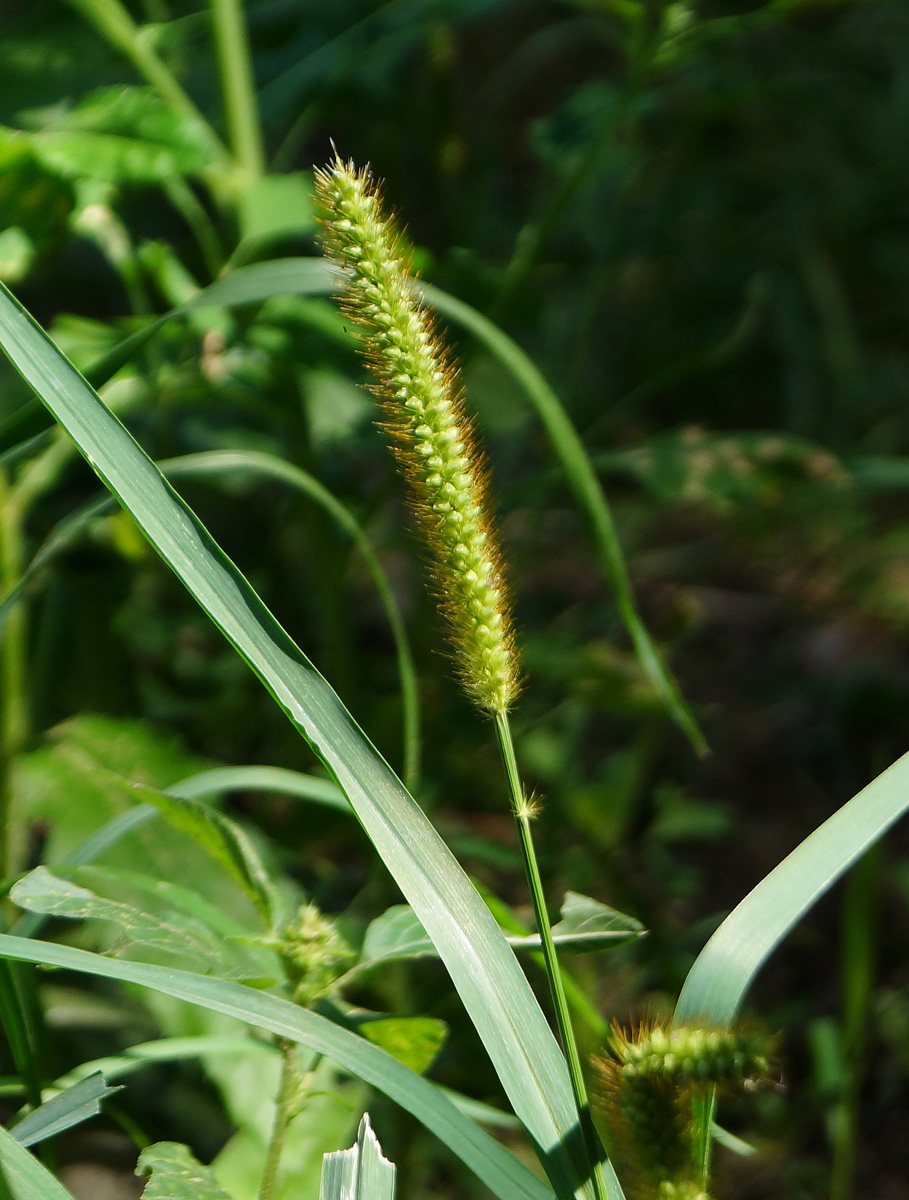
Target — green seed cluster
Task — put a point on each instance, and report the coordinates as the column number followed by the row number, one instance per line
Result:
column 647, row 1090
column 418, row 386
column 690, row 1056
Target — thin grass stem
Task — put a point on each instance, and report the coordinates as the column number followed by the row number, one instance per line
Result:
column 284, row 1113
column 522, row 813
column 185, row 201
column 238, row 86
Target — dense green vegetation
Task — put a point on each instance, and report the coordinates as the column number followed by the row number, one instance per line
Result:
column 666, row 243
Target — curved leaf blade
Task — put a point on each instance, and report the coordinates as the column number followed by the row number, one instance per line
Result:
column 491, row 1162
column 724, row 969
column 23, row 1177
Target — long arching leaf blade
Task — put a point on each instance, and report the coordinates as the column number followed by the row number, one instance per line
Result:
column 497, row 1167
column 483, row 968
column 724, row 969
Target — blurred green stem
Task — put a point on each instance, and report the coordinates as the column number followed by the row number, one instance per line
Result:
column 284, row 1113
column 238, row 86
column 522, row 809
column 185, row 201
column 113, row 21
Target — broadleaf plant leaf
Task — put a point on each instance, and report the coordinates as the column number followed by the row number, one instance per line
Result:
column 41, row 891
column 498, row 1169
column 482, row 966
column 586, row 925
column 175, row 1174
column 220, row 837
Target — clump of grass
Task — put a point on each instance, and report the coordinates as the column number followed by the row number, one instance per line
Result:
column 417, row 383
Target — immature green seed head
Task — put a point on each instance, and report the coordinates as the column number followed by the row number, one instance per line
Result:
column 418, row 386
column 646, row 1089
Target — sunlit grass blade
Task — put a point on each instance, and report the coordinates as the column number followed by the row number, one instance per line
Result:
column 360, row 1173
column 724, row 969
column 24, row 1178
column 502, row 1173
column 482, row 966
column 219, row 780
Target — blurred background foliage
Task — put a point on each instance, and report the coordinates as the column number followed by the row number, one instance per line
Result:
column 693, row 217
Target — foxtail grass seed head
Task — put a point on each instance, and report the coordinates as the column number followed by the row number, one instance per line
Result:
column 645, row 1093
column 418, row 386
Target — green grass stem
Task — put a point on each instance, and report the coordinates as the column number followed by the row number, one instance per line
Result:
column 284, row 1112
column 238, row 86
column 522, row 809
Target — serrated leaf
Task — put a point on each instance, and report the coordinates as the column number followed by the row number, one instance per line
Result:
column 175, row 1174
column 414, row 1041
column 360, row 1173
column 70, row 1107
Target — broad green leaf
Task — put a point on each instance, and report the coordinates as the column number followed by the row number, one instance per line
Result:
column 120, row 135
column 24, row 1176
column 483, row 968
column 42, row 892
column 68, row 1108
column 398, row 933
column 414, row 1041
column 360, row 1173
column 220, row 837
column 493, row 1164
column 174, row 1174
column 723, row 971
column 329, row 1104
column 587, row 925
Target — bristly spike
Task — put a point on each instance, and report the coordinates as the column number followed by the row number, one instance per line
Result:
column 418, row 385
column 646, row 1089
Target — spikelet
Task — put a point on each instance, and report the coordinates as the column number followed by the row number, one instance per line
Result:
column 418, row 386
column 646, row 1091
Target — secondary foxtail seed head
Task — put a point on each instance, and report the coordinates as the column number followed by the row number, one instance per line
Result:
column 418, row 385
column 646, row 1090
